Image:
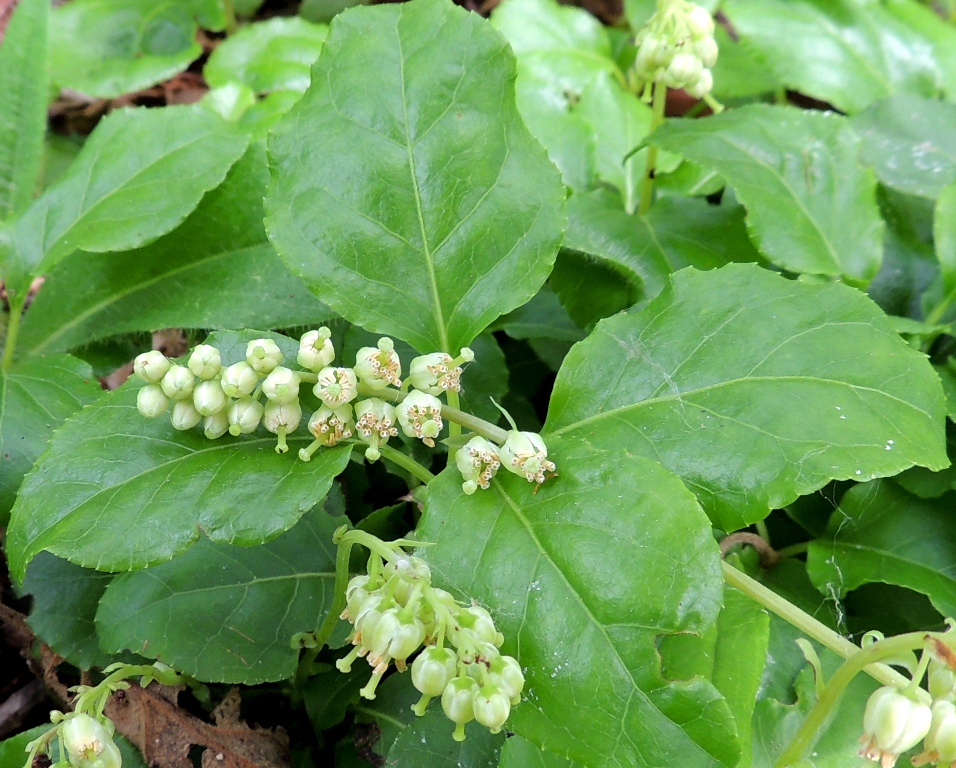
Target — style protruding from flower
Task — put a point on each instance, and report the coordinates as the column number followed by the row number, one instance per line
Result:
column 478, row 462
column 336, row 386
column 395, row 610
column 438, row 372
column 420, row 416
column 315, row 350
column 525, row 454
column 893, row 722
column 379, row 367
column 375, row 424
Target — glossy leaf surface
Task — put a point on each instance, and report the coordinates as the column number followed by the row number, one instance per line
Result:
column 811, row 206
column 428, row 741
column 754, row 390
column 570, row 574
column 422, row 208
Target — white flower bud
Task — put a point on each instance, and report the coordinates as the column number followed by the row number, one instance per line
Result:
column 285, row 416
column 940, row 744
column 184, row 415
column 703, row 85
column 332, row 425
column 478, row 461
column 281, row 386
column 216, row 425
column 433, row 670
column 893, row 723
column 315, row 350
column 458, row 701
column 151, row 366
column 699, row 22
column 377, row 367
column 83, row 737
column 420, row 416
column 492, row 708
column 208, row 397
column 336, row 386
column 151, row 401
column 482, row 625
column 205, row 362
column 178, row 383
column 375, row 420
column 683, row 70
column 942, row 681
column 525, row 454
column 507, row 674
column 239, row 380
column 263, row 355
column 244, row 416
column 706, row 50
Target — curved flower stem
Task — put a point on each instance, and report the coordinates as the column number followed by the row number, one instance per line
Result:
column 342, row 556
column 657, row 117
column 454, row 428
column 407, row 463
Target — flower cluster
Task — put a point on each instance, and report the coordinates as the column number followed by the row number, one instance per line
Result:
column 395, row 611
column 677, row 48
column 523, row 453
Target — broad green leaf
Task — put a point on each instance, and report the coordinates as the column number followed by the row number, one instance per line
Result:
column 947, row 376
column 535, row 26
column 637, row 12
column 754, row 390
column 322, row 11
column 36, row 397
column 65, row 599
column 909, row 142
column 216, row 270
column 119, row 492
column 521, row 753
column 849, row 53
column 739, row 73
column 273, row 55
column 592, row 289
column 108, row 199
column 421, row 208
column 24, row 85
column 811, row 206
column 106, row 48
column 542, row 317
column 572, row 575
column 428, row 741
column 882, row 533
column 941, row 36
column 249, row 601
column 328, row 696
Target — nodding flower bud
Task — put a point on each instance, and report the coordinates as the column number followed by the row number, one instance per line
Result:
column 184, row 415
column 703, row 86
column 244, row 416
column 433, row 670
column 683, row 70
column 942, row 681
column 482, row 625
column 178, row 383
column 706, row 50
column 894, row 722
column 492, row 707
column 151, row 366
column 263, row 355
column 438, row 372
column 239, row 380
column 375, row 423
column 507, row 673
column 208, row 397
column 151, row 401
column 377, row 367
column 458, row 701
column 281, row 386
column 315, row 350
column 281, row 420
column 420, row 416
column 336, row 386
column 83, row 737
column 395, row 637
column 478, row 462
column 330, row 426
column 940, row 745
column 525, row 454
column 699, row 22
column 216, row 425
column 205, row 362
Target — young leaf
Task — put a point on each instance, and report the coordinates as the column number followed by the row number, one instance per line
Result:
column 118, row 492
column 754, row 389
column 811, row 206
column 882, row 533
column 421, row 208
column 24, row 85
column 428, row 741
column 216, row 270
column 248, row 602
column 36, row 396
column 844, row 52
column 909, row 142
column 571, row 574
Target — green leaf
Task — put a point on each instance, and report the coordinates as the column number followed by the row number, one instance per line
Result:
column 941, row 36
column 536, row 26
column 592, row 289
column 216, row 270
column 811, row 206
column 849, row 53
column 882, row 533
column 249, row 601
column 428, row 741
column 572, row 575
column 947, row 377
column 273, row 55
column 521, row 753
column 421, row 208
column 542, row 317
column 118, row 492
column 739, row 73
column 909, row 142
column 36, row 397
column 106, row 48
column 322, row 11
column 754, row 390
column 23, row 83
column 108, row 199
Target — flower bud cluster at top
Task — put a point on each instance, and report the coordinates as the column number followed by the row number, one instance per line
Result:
column 395, row 611
column 259, row 389
column 677, row 48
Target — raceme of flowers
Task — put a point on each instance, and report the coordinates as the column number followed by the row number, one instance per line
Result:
column 354, row 401
column 395, row 611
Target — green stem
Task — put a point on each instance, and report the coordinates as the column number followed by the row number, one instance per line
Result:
column 232, row 24
column 807, row 624
column 13, row 330
column 657, row 118
column 863, row 659
column 341, row 582
column 407, row 463
column 454, row 428
column 762, row 530
column 794, row 549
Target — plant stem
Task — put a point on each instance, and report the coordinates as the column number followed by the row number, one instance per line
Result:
column 862, row 660
column 232, row 24
column 341, row 581
column 657, row 118
column 454, row 428
column 13, row 330
column 794, row 549
column 807, row 624
column 407, row 463
column 764, row 533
